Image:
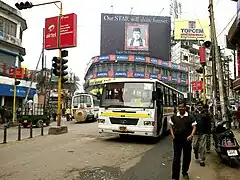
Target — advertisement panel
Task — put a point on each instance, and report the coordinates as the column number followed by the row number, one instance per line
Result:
column 20, row 72
column 191, row 29
column 21, row 91
column 68, row 32
column 51, row 33
column 136, row 35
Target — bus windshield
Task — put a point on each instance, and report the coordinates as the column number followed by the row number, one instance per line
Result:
column 127, row 94
column 81, row 101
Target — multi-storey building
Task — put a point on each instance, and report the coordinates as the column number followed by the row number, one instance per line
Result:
column 103, row 68
column 187, row 53
column 12, row 26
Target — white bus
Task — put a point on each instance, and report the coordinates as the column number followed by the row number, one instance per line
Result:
column 140, row 107
column 84, row 107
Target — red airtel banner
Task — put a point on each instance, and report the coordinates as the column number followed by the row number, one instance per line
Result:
column 68, row 32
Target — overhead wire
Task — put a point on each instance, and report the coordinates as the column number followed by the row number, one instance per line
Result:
column 227, row 25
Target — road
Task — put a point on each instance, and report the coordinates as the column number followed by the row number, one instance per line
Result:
column 82, row 154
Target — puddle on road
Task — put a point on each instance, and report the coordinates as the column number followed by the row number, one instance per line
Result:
column 97, row 173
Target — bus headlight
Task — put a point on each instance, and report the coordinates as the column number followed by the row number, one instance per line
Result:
column 148, row 123
column 101, row 120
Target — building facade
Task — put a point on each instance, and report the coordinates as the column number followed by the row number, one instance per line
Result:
column 12, row 26
column 104, row 68
column 187, row 53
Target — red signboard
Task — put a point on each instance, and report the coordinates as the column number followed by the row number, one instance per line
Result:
column 19, row 73
column 194, row 85
column 197, row 85
column 68, row 32
column 51, row 33
column 202, row 54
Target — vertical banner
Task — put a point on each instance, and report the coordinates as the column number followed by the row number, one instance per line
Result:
column 202, row 54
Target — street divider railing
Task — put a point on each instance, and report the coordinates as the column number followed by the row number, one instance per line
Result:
column 19, row 132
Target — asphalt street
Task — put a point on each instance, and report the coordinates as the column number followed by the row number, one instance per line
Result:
column 83, row 154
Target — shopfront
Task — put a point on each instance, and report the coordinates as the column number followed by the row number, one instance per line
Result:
column 6, row 94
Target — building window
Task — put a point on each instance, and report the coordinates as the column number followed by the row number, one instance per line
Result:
column 155, row 70
column 174, row 74
column 120, row 67
column 169, row 72
column 8, row 27
column 100, row 68
column 139, row 67
column 130, row 67
column 21, row 34
column 1, row 24
column 164, row 72
column 149, row 69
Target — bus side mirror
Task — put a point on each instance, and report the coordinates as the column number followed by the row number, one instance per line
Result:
column 154, row 95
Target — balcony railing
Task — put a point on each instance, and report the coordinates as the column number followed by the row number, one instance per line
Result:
column 10, row 39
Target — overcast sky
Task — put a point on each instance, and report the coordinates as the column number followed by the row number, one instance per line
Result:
column 89, row 11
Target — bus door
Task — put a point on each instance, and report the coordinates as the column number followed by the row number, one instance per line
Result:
column 159, row 106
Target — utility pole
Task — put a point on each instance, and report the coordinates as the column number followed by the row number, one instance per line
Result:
column 218, row 62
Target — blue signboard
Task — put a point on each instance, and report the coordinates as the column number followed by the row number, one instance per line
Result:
column 122, row 57
column 120, row 74
column 103, row 58
column 183, row 81
column 7, row 90
column 165, row 63
column 164, row 77
column 174, row 79
column 174, row 66
column 154, row 61
column 138, row 75
column 102, row 74
column 153, row 76
column 139, row 59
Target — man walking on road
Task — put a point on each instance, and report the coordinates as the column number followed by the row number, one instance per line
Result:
column 202, row 131
column 182, row 129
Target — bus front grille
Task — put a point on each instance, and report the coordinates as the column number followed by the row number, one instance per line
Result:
column 124, row 121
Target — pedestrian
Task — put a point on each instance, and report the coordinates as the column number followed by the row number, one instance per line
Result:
column 182, row 129
column 203, row 129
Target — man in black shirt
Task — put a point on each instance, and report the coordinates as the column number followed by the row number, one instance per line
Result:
column 202, row 131
column 182, row 129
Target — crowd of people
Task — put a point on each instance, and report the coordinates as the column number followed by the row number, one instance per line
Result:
column 191, row 128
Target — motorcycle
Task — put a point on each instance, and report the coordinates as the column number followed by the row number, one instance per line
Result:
column 226, row 144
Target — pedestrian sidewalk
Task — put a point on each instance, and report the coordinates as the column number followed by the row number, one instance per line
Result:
column 214, row 169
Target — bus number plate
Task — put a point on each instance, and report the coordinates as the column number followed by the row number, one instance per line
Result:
column 122, row 128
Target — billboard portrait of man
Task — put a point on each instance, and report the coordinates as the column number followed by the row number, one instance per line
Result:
column 136, row 37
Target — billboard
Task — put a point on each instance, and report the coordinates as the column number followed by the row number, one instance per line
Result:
column 68, row 32
column 191, row 29
column 136, row 34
